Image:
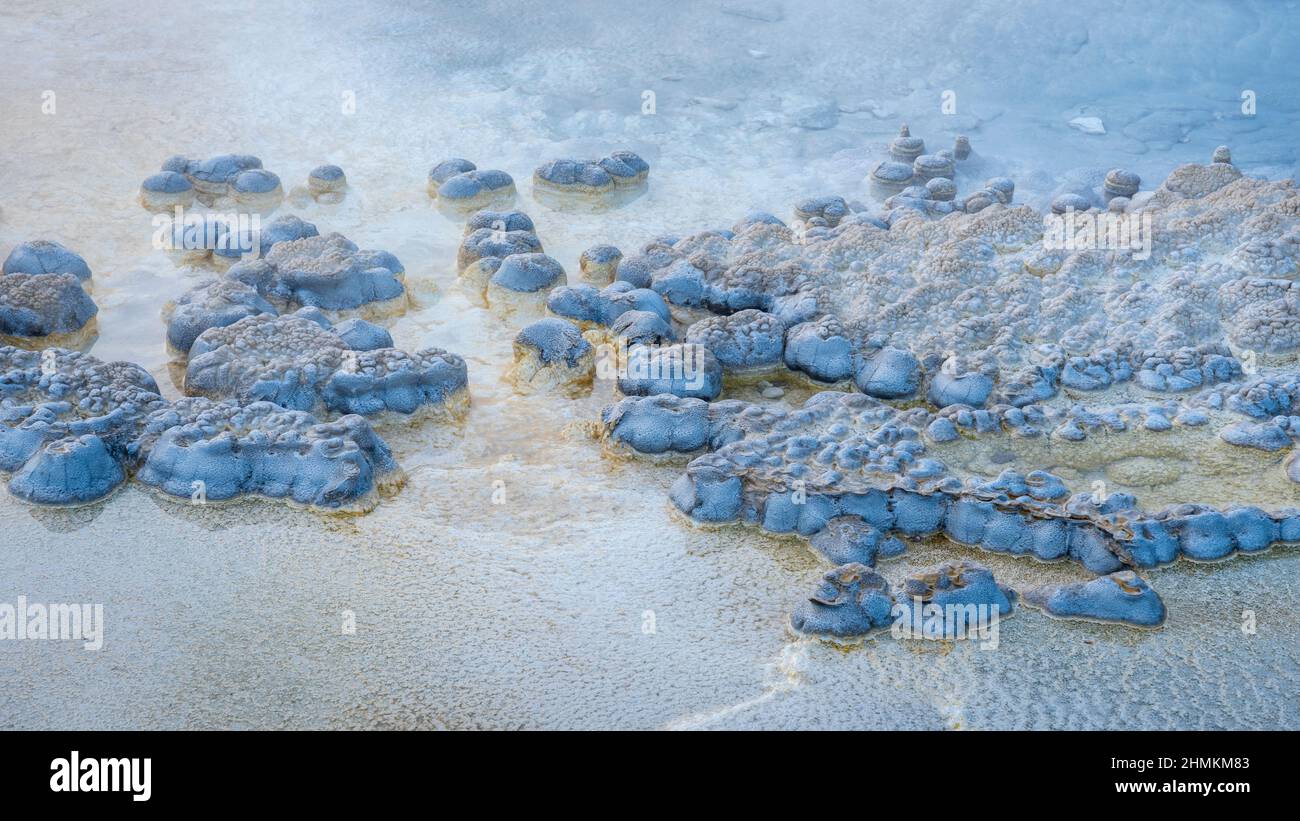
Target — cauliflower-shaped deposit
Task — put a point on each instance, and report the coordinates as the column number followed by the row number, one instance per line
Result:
column 681, row 370
column 827, row 210
column 328, row 272
column 217, row 304
column 69, row 423
column 973, row 337
column 43, row 297
column 599, row 264
column 445, row 170
column 552, row 354
column 298, row 362
column 851, row 602
column 591, row 178
column 491, row 237
column 522, row 281
column 588, row 307
column 962, row 595
column 73, row 429
column 847, row 539
column 237, row 177
column 658, row 424
column 165, row 191
column 642, row 328
column 46, row 257
column 216, row 451
column 747, row 340
column 327, row 183
column 493, row 243
column 979, row 308
column 462, row 186
column 45, row 310
column 1121, row 598
column 847, row 470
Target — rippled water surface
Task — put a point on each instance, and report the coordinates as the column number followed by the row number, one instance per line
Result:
column 581, row 601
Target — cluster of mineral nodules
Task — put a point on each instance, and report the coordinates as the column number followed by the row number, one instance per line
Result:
column 279, row 407
column 44, row 297
column 73, row 429
column 282, row 371
column 937, row 325
column 231, row 179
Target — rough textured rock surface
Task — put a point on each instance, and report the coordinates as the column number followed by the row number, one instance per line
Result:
column 592, row 177
column 301, row 363
column 1121, row 598
column 74, row 428
column 36, row 307
column 328, row 272
column 986, row 310
column 218, row 451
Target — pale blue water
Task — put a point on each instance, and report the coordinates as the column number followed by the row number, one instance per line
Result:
column 534, row 614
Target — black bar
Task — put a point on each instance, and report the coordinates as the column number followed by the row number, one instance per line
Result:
column 216, row 769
